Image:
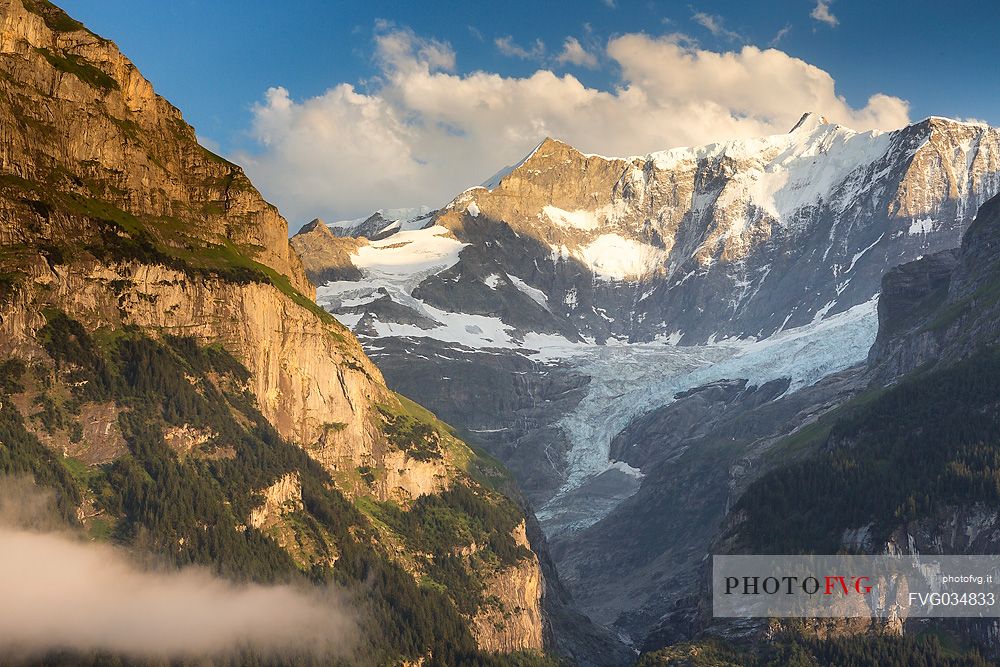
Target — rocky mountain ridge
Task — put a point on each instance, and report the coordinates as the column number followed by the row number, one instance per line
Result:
column 788, row 227
column 135, row 151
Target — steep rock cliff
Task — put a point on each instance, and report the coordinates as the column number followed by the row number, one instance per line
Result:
column 513, row 622
column 943, row 307
column 139, row 269
column 79, row 118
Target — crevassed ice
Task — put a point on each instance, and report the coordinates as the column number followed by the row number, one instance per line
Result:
column 630, row 380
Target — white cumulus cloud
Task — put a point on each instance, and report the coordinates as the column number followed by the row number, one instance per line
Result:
column 715, row 25
column 574, row 54
column 422, row 133
column 507, row 46
column 821, row 12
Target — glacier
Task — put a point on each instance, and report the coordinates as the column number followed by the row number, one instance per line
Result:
column 628, row 380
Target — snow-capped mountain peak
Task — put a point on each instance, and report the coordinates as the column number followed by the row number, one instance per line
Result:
column 740, row 238
column 383, row 223
column 809, row 121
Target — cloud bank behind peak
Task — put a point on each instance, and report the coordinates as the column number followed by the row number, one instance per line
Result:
column 421, row 133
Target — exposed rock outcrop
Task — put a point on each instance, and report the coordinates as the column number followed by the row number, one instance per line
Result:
column 281, row 498
column 942, row 307
column 511, row 620
column 326, row 257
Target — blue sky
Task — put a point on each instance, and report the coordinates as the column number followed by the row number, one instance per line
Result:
column 217, row 60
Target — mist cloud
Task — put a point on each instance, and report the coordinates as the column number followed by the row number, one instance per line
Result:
column 61, row 593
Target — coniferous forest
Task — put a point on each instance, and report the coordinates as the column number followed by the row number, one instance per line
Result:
column 152, row 498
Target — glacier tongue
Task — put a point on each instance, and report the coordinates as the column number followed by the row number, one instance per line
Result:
column 629, row 380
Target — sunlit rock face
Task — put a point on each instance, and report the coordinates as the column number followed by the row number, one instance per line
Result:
column 115, row 222
column 80, row 118
column 742, row 238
